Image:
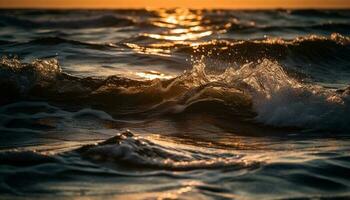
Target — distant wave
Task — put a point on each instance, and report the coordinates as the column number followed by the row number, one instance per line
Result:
column 52, row 41
column 320, row 13
column 234, row 50
column 93, row 22
column 326, row 53
column 58, row 40
column 342, row 28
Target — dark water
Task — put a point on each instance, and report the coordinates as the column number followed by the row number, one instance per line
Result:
column 175, row 104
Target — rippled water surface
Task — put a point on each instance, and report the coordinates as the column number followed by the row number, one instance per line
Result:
column 175, row 104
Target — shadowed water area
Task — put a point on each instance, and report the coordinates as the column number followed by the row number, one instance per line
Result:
column 174, row 104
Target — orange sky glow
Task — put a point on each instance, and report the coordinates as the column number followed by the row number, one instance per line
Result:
column 230, row 4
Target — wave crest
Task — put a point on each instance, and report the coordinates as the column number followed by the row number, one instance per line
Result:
column 133, row 151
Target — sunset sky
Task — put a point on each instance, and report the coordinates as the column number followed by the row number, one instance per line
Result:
column 233, row 4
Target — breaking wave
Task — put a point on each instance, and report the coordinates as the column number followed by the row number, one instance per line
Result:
column 259, row 91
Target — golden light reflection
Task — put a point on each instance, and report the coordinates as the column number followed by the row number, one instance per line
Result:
column 163, row 25
column 179, row 16
column 184, row 24
column 176, row 26
column 181, row 37
column 149, row 51
column 150, row 75
column 175, row 194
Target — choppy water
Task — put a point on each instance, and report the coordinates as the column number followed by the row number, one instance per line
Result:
column 167, row 104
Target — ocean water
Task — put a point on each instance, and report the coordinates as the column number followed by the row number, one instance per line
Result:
column 175, row 104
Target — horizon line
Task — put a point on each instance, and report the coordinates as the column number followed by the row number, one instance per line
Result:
column 170, row 4
column 176, row 7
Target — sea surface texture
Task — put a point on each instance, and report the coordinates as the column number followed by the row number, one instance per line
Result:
column 175, row 104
